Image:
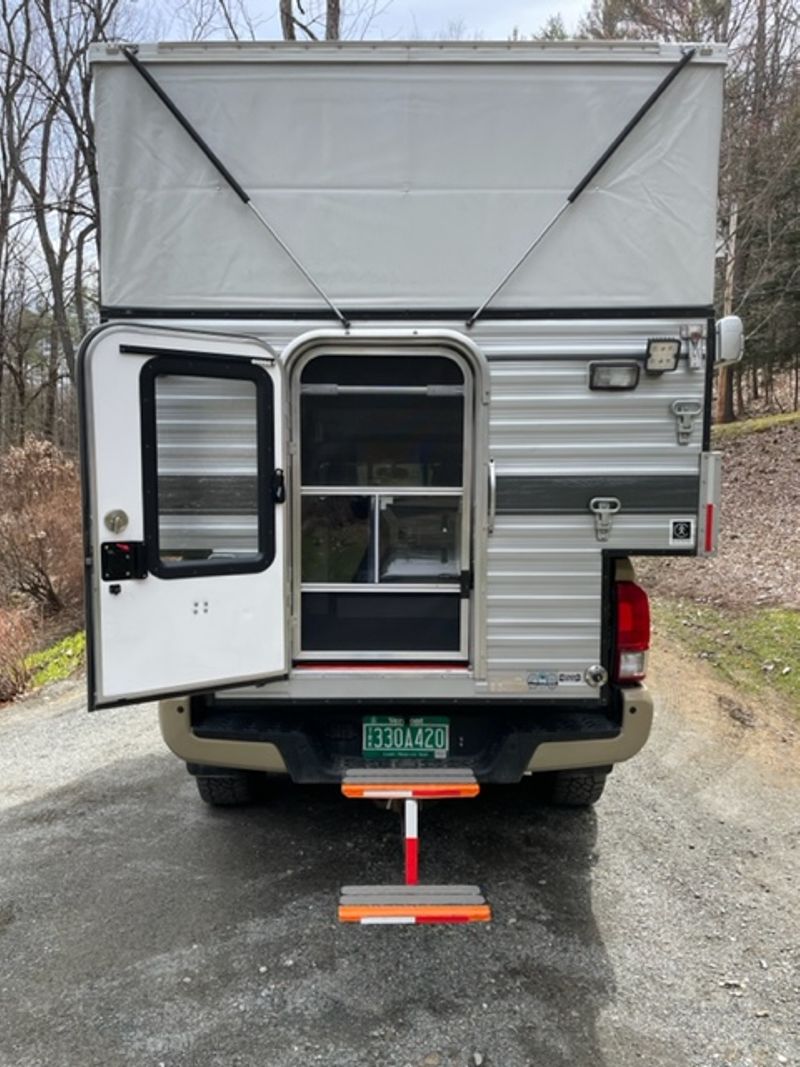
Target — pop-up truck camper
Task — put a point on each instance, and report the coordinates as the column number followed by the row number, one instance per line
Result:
column 405, row 350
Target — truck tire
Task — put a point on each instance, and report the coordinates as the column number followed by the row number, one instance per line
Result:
column 226, row 791
column 576, row 789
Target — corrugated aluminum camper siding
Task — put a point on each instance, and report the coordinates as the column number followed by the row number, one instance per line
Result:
column 545, row 570
column 544, row 587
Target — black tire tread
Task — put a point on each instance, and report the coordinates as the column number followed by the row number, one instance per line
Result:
column 225, row 791
column 576, row 789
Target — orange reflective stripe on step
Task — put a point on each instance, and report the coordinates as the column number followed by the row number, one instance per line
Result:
column 422, row 791
column 353, row 913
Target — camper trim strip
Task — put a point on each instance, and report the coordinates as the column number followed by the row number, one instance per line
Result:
column 403, row 314
column 560, row 495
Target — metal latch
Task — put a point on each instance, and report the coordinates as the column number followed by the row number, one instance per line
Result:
column 695, row 345
column 685, row 412
column 604, row 508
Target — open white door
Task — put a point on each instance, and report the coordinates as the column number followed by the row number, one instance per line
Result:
column 183, row 448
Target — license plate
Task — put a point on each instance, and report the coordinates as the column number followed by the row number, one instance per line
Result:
column 389, row 737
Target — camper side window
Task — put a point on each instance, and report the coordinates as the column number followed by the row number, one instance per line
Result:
column 204, row 464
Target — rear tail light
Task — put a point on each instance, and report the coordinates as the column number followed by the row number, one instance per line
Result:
column 633, row 632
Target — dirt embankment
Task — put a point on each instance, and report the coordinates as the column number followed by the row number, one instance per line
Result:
column 759, row 558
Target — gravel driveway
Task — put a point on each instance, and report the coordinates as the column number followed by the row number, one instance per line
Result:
column 139, row 927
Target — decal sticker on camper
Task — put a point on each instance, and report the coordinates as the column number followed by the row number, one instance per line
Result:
column 570, row 678
column 681, row 532
column 542, row 680
column 553, row 679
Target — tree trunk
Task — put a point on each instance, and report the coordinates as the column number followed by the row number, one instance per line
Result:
column 51, row 386
column 724, row 407
column 739, row 391
column 333, row 16
column 287, row 21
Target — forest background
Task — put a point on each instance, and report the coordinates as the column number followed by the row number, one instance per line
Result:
column 49, row 236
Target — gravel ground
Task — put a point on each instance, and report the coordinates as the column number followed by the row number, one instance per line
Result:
column 139, row 927
column 759, row 557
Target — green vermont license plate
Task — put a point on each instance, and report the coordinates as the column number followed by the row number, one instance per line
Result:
column 423, row 737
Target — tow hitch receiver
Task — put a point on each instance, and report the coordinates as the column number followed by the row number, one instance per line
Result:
column 411, row 903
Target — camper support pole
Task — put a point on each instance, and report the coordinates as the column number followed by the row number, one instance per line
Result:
column 591, row 173
column 221, row 169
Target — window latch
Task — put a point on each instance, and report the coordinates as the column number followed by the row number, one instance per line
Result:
column 278, row 486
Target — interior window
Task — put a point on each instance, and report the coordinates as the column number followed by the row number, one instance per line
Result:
column 419, row 539
column 380, row 622
column 363, row 439
column 337, row 542
column 387, row 370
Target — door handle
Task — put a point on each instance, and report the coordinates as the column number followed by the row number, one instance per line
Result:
column 278, row 486
column 492, row 495
column 122, row 560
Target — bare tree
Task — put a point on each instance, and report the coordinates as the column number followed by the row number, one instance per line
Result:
column 759, row 202
column 201, row 20
column 48, row 142
column 311, row 19
column 330, row 20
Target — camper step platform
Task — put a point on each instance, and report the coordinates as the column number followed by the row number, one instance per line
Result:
column 412, row 904
column 388, row 783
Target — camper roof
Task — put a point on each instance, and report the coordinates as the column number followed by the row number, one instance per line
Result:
column 407, row 175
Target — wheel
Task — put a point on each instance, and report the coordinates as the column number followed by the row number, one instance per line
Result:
column 576, row 789
column 226, row 790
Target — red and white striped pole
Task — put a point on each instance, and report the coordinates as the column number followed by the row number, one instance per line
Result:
column 412, row 842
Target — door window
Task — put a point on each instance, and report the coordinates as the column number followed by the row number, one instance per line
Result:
column 207, row 451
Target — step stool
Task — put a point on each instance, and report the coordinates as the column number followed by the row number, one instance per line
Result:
column 411, row 903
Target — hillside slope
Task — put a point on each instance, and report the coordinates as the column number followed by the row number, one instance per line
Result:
column 759, row 557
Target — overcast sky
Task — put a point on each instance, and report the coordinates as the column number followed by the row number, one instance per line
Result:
column 493, row 19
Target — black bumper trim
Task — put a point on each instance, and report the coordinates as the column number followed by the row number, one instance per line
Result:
column 319, row 745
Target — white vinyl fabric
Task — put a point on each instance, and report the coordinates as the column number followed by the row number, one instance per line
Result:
column 407, row 176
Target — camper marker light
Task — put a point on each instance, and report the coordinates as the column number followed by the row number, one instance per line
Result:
column 662, row 354
column 615, row 377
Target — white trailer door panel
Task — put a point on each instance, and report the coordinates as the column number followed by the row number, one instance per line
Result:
column 185, row 540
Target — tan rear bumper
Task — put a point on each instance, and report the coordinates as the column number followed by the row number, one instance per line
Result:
column 637, row 718
column 176, row 729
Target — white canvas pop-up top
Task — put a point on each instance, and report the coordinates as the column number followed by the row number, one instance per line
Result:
column 407, row 175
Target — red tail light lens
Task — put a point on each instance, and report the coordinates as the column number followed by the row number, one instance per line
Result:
column 633, row 631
